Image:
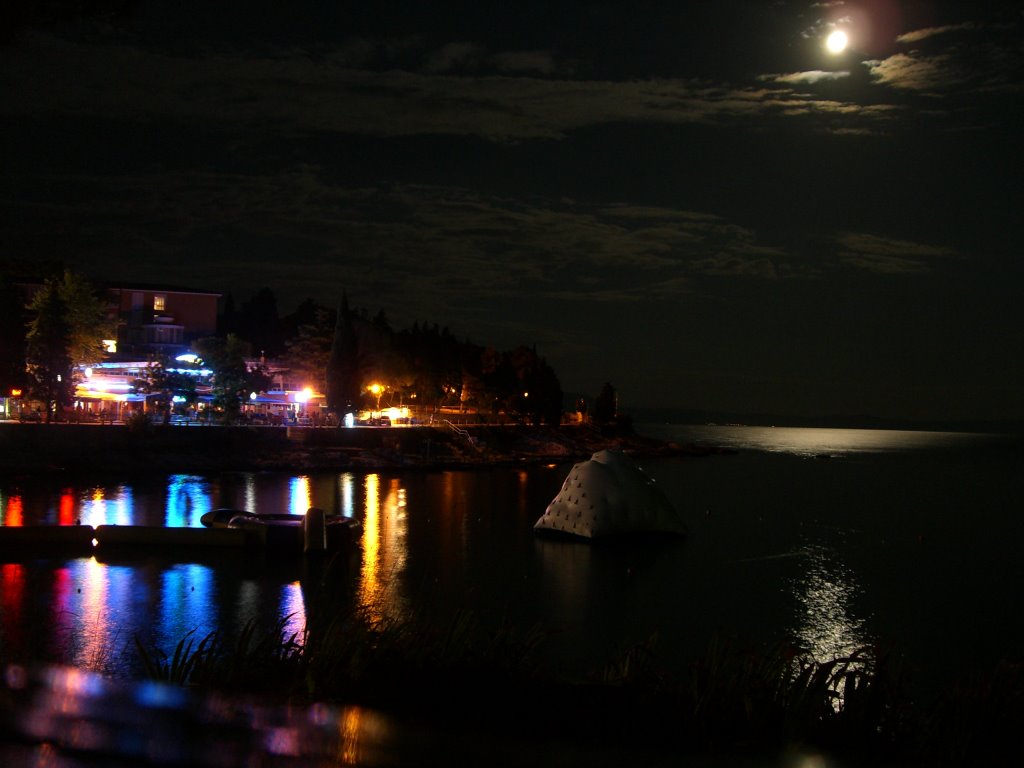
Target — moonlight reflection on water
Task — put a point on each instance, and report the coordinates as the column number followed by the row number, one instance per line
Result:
column 825, row 591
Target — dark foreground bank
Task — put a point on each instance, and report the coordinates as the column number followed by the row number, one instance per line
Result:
column 381, row 694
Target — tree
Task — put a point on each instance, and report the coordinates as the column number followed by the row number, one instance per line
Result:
column 66, row 332
column 343, row 364
column 308, row 352
column 606, row 405
column 259, row 324
column 166, row 379
column 430, row 365
column 232, row 378
column 545, row 394
column 87, row 318
column 46, row 349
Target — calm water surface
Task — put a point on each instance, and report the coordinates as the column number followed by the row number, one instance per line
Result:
column 905, row 539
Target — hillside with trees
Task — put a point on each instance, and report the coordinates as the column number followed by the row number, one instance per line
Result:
column 340, row 351
column 345, row 350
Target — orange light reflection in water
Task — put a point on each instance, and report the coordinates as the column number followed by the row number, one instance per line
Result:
column 369, row 582
column 13, row 512
column 384, row 550
column 348, row 729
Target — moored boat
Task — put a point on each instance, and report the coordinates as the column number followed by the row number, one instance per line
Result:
column 288, row 534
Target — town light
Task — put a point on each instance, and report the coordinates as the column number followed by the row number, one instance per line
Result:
column 395, row 414
column 377, row 390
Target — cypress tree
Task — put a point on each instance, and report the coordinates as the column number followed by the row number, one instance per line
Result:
column 342, row 366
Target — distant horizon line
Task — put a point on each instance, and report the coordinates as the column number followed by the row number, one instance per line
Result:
column 696, row 416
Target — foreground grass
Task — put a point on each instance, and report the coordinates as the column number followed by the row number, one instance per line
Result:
column 733, row 699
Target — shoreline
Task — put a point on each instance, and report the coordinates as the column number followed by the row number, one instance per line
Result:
column 32, row 449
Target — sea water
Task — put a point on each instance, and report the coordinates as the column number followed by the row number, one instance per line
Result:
column 829, row 539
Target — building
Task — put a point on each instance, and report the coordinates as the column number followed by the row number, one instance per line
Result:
column 156, row 320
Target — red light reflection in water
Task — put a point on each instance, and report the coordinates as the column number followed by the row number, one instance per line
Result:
column 66, row 508
column 12, row 601
column 14, row 514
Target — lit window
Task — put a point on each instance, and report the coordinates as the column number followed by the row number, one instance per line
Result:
column 159, row 302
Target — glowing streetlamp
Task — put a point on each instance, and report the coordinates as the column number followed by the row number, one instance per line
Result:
column 301, row 398
column 377, row 390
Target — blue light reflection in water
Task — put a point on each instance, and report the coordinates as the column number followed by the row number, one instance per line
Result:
column 293, row 610
column 188, row 600
column 188, row 499
column 299, row 497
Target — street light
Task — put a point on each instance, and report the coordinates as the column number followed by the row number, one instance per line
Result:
column 377, row 390
column 301, row 399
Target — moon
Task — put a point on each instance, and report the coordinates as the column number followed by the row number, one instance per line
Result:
column 837, row 41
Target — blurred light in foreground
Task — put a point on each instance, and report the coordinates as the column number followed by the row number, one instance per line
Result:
column 68, row 717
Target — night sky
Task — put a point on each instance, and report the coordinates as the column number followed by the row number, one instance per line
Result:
column 695, row 201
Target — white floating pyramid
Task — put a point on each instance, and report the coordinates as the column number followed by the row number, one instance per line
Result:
column 609, row 495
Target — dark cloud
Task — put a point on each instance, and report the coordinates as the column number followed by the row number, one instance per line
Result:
column 692, row 199
column 887, row 257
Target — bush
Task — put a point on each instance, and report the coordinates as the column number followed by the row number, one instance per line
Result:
column 138, row 422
